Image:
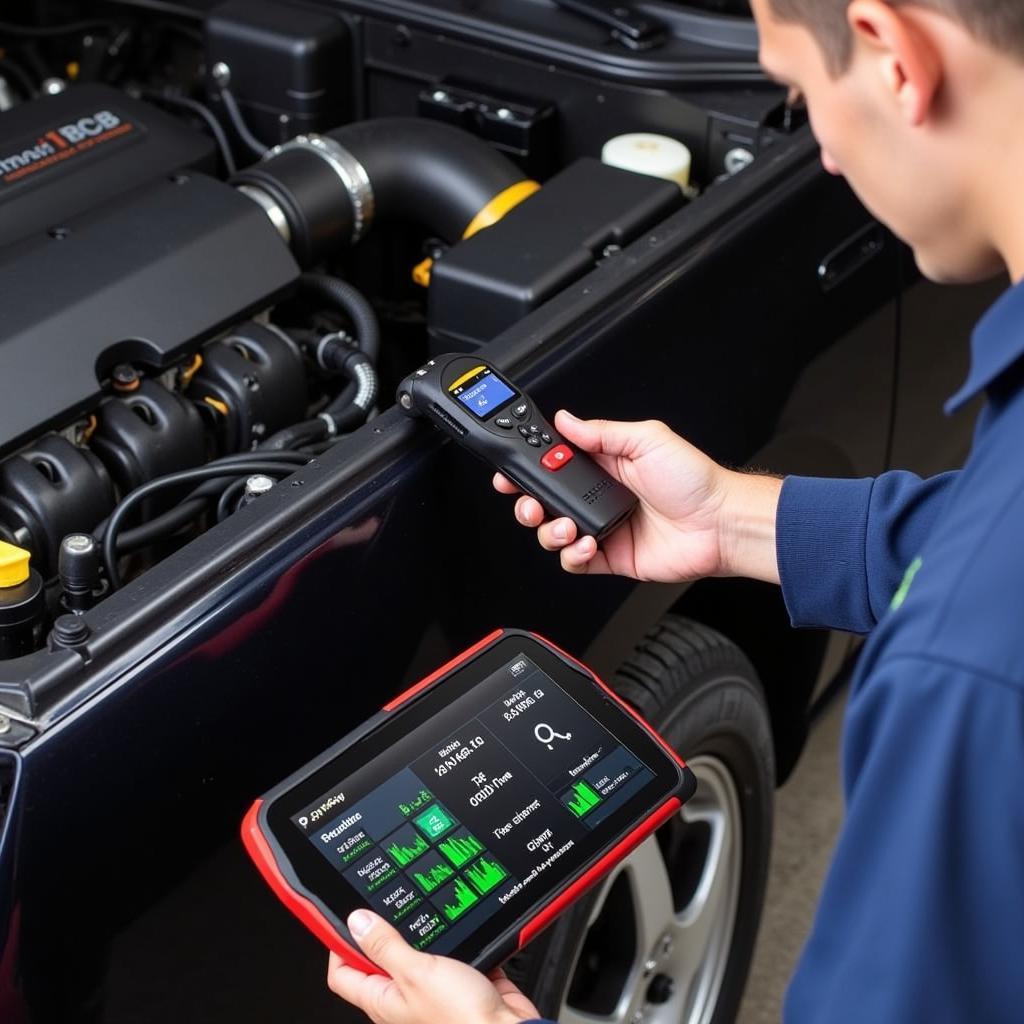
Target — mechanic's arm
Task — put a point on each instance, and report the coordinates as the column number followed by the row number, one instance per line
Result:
column 421, row 989
column 921, row 915
column 839, row 547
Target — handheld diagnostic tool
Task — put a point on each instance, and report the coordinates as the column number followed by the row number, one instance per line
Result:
column 471, row 810
column 484, row 412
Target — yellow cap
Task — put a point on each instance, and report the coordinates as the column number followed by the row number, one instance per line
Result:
column 13, row 565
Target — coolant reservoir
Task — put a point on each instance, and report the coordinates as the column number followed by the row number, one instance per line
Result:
column 644, row 153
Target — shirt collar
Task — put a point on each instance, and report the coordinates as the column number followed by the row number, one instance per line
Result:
column 997, row 343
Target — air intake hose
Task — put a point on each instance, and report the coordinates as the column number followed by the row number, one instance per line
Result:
column 324, row 190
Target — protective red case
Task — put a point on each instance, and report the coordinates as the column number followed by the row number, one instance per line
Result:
column 334, row 933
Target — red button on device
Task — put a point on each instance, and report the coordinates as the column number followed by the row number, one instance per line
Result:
column 557, row 457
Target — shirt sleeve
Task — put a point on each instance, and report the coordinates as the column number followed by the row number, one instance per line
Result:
column 922, row 915
column 844, row 545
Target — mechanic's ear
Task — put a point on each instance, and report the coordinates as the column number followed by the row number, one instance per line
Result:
column 904, row 51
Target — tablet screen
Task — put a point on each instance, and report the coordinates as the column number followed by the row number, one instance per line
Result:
column 475, row 815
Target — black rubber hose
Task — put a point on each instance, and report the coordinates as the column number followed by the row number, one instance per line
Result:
column 346, row 412
column 230, row 497
column 350, row 301
column 204, row 114
column 234, row 112
column 131, row 500
column 306, row 432
column 194, row 503
column 9, row 69
column 431, row 173
column 421, row 171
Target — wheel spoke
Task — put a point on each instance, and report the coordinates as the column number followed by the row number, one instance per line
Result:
column 652, row 896
column 700, row 928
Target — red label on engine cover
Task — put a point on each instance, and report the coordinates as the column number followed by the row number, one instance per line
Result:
column 70, row 140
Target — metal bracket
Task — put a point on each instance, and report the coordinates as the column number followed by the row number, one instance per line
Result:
column 628, row 26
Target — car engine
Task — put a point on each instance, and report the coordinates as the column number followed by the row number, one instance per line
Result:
column 211, row 268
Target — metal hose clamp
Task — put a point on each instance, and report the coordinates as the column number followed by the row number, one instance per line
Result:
column 349, row 170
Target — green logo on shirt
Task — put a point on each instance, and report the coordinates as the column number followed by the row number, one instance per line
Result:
column 908, row 578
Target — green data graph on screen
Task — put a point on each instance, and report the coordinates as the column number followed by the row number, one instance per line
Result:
column 485, row 875
column 428, row 879
column 460, row 849
column 582, row 799
column 407, row 854
column 464, row 899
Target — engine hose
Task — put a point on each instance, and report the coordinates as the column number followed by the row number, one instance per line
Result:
column 230, row 497
column 324, row 190
column 346, row 412
column 307, row 432
column 195, row 502
column 131, row 500
column 353, row 303
column 343, row 412
column 234, row 112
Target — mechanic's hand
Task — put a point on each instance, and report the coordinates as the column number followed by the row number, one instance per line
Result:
column 686, row 525
column 422, row 989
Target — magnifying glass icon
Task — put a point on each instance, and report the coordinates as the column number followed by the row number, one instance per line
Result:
column 545, row 734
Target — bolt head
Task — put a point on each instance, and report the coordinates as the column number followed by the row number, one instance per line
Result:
column 5, row 724
column 221, row 74
column 440, row 96
column 737, row 159
column 505, row 114
column 78, row 542
column 258, row 484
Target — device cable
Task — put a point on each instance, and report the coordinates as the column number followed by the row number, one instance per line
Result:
column 234, row 112
column 205, row 114
column 12, row 70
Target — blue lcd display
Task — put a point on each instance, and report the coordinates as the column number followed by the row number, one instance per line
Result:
column 483, row 397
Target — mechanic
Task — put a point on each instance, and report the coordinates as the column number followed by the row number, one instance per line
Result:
column 922, row 915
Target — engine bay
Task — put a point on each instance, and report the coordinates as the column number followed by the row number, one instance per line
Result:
column 226, row 233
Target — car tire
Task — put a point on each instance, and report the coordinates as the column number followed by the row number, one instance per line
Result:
column 669, row 935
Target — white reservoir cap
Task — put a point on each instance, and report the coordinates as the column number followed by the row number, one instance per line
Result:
column 644, row 153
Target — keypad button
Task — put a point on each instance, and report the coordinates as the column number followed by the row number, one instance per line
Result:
column 524, row 431
column 557, row 458
column 535, row 430
column 546, row 437
column 521, row 411
column 534, row 442
column 504, row 422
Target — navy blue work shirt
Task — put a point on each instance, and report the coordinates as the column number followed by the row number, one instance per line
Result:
column 922, row 914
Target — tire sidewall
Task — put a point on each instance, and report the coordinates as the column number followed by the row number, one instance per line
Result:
column 719, row 712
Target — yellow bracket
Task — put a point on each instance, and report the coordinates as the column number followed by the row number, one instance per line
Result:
column 490, row 214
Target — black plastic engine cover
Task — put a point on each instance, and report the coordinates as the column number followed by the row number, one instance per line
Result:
column 63, row 154
column 142, row 280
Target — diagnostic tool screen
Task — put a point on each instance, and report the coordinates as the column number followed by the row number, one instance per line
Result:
column 468, row 829
column 482, row 393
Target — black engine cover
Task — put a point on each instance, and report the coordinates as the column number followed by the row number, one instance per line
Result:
column 64, row 154
column 142, row 280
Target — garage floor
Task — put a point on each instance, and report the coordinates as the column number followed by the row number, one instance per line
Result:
column 808, row 813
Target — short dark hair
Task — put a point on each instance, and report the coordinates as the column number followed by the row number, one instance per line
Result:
column 1000, row 23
